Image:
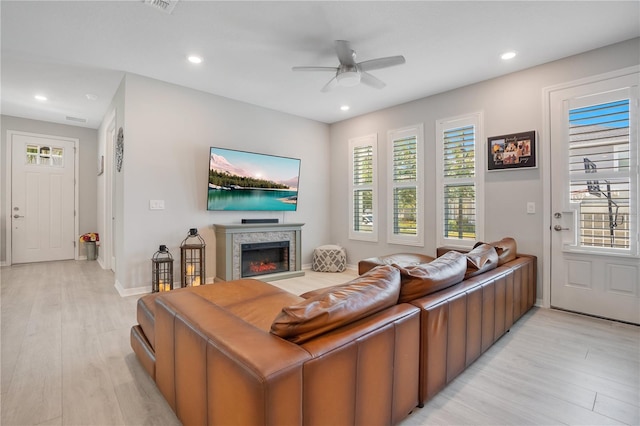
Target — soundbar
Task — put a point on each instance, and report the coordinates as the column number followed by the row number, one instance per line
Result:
column 260, row 220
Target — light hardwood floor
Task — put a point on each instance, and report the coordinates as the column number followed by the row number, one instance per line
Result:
column 66, row 360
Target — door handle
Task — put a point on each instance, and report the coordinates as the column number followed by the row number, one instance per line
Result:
column 560, row 228
column 16, row 216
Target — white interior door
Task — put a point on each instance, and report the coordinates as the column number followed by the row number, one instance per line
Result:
column 42, row 198
column 595, row 267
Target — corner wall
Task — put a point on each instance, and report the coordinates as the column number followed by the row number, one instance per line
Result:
column 169, row 130
column 110, row 184
column 512, row 103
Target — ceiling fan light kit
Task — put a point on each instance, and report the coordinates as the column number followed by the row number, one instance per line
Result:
column 350, row 73
column 348, row 78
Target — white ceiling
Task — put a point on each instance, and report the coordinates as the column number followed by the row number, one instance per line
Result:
column 66, row 50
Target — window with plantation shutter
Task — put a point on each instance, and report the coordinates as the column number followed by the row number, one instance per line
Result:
column 362, row 188
column 601, row 179
column 460, row 180
column 405, row 206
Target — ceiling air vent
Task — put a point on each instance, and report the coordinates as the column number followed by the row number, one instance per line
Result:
column 166, row 6
column 76, row 119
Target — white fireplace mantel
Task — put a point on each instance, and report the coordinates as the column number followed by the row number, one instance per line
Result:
column 230, row 237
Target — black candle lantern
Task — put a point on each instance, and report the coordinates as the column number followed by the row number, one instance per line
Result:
column 192, row 259
column 162, row 270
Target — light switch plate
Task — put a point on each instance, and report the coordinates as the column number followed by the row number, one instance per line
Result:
column 531, row 207
column 156, row 204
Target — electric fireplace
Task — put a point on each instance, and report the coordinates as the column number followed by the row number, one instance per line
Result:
column 264, row 258
column 231, row 237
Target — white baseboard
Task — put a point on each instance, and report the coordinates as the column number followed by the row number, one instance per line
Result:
column 126, row 292
column 137, row 291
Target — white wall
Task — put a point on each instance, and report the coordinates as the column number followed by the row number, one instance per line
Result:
column 168, row 132
column 88, row 142
column 512, row 103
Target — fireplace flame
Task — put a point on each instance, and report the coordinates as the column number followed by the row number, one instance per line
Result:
column 262, row 267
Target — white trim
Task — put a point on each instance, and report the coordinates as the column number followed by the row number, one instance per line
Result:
column 109, row 250
column 9, row 183
column 545, row 161
column 8, row 171
column 406, row 132
column 136, row 291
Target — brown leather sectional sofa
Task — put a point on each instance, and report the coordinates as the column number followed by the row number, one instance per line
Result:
column 246, row 352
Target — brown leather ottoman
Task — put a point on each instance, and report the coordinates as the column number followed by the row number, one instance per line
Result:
column 401, row 259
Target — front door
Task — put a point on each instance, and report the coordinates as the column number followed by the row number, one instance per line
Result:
column 42, row 198
column 595, row 263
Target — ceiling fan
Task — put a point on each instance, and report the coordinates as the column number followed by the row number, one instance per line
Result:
column 350, row 73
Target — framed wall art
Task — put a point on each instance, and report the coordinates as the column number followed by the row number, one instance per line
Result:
column 514, row 151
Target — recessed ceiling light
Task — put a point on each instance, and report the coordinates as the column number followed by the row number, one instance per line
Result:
column 40, row 98
column 194, row 59
column 508, row 55
column 344, row 108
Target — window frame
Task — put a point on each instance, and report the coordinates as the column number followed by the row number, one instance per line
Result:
column 475, row 119
column 364, row 141
column 417, row 132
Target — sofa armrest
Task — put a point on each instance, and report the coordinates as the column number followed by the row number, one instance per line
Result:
column 215, row 368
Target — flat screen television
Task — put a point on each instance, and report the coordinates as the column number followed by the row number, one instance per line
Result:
column 245, row 181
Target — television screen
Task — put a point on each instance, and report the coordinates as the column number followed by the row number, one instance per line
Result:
column 240, row 180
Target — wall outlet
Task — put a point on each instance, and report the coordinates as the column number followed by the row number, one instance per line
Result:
column 156, row 204
column 531, row 207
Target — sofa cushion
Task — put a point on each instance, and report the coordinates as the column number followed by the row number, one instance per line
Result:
column 402, row 259
column 506, row 249
column 481, row 259
column 339, row 305
column 420, row 280
column 318, row 291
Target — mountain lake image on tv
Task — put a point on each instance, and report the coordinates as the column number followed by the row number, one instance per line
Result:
column 243, row 181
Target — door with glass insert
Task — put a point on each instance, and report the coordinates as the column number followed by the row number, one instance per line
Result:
column 42, row 198
column 595, row 264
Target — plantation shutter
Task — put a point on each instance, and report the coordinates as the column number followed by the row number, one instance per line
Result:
column 362, row 184
column 600, row 173
column 363, row 191
column 459, row 190
column 405, row 176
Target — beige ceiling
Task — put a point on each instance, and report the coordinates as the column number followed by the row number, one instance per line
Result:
column 67, row 50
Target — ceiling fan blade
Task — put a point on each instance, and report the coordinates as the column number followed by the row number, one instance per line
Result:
column 376, row 64
column 333, row 69
column 330, row 85
column 370, row 80
column 345, row 53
